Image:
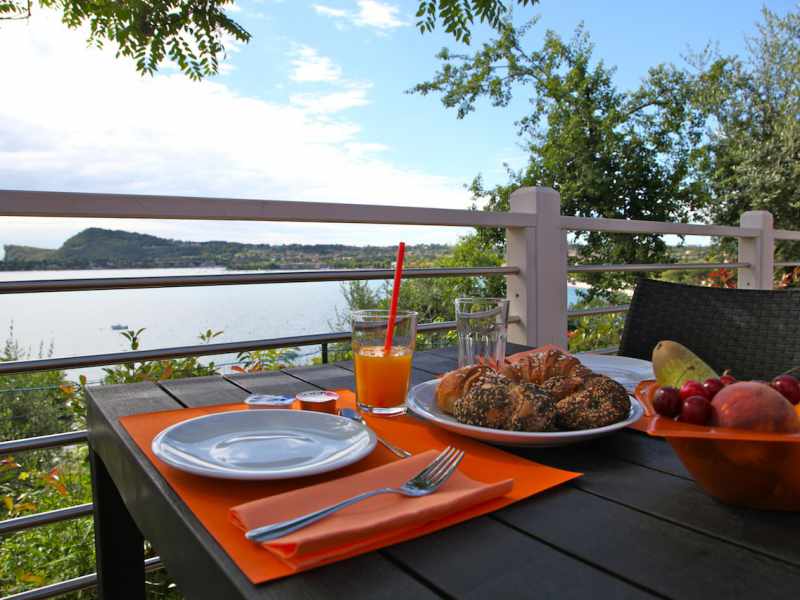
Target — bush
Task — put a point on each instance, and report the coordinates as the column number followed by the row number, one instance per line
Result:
column 597, row 331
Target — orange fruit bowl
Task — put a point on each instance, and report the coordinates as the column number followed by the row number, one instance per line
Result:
column 738, row 467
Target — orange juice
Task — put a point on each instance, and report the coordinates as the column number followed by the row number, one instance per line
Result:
column 382, row 380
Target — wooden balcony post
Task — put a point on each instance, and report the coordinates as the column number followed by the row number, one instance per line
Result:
column 538, row 294
column 758, row 251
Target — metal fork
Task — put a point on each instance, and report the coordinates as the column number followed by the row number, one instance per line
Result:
column 352, row 414
column 423, row 483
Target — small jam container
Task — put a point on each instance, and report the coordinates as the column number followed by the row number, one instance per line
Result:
column 268, row 401
column 318, row 400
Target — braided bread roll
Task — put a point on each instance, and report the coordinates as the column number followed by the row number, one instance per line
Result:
column 543, row 391
column 539, row 367
column 456, row 384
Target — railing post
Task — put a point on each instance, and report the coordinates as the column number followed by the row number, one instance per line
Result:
column 758, row 251
column 538, row 294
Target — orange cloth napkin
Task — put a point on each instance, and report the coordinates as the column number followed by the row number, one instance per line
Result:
column 377, row 518
column 210, row 500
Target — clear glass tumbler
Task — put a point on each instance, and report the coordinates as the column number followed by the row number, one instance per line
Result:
column 382, row 378
column 482, row 325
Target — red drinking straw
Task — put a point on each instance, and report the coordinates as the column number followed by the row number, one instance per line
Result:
column 398, row 273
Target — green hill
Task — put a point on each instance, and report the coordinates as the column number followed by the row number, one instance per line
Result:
column 97, row 248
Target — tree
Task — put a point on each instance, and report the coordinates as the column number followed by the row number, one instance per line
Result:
column 458, row 16
column 752, row 158
column 624, row 155
column 192, row 32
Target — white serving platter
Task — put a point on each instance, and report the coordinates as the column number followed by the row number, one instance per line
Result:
column 422, row 402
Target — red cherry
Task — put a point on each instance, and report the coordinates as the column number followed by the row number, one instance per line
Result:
column 667, row 402
column 692, row 388
column 727, row 379
column 788, row 386
column 711, row 387
column 696, row 410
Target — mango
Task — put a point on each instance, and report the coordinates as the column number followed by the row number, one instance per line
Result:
column 674, row 364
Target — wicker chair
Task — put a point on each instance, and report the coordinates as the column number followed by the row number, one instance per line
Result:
column 754, row 333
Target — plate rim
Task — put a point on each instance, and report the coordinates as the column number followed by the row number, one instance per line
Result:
column 641, row 362
column 636, row 412
column 259, row 475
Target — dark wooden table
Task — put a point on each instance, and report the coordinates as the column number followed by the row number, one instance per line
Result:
column 635, row 525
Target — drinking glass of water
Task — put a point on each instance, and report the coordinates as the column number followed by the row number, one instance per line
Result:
column 482, row 325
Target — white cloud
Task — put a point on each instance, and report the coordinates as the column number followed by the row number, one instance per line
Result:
column 370, row 13
column 111, row 130
column 332, row 102
column 309, row 66
column 329, row 11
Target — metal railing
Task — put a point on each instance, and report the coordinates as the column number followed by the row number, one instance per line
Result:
column 84, row 582
column 539, row 306
column 130, row 283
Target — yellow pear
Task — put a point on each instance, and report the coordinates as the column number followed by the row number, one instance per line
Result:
column 674, row 364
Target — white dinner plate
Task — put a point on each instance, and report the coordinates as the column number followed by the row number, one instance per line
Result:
column 263, row 444
column 622, row 369
column 422, row 401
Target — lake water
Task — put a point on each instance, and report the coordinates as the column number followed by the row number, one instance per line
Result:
column 80, row 322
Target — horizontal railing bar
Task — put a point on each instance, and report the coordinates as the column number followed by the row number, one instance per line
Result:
column 602, row 310
column 56, row 589
column 43, row 441
column 655, row 267
column 114, row 358
column 124, row 283
column 634, row 226
column 790, row 263
column 45, row 518
column 786, row 234
column 23, row 203
column 73, row 585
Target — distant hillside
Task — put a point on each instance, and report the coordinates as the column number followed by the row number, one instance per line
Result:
column 106, row 249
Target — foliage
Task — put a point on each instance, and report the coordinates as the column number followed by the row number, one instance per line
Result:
column 752, row 158
column 434, row 299
column 34, row 403
column 190, row 33
column 624, row 155
column 597, row 331
column 156, row 370
column 790, row 278
column 273, row 359
column 44, row 555
column 458, row 16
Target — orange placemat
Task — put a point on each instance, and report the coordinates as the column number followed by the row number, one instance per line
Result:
column 211, row 502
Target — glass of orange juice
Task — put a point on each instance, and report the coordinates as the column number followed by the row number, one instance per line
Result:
column 382, row 377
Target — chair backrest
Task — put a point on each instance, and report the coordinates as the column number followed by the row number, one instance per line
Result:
column 754, row 333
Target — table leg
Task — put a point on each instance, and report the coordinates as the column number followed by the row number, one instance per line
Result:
column 119, row 545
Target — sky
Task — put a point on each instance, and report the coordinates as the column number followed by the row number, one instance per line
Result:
column 313, row 108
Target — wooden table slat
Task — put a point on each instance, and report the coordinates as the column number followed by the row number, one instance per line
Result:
column 272, row 382
column 656, row 554
column 485, row 558
column 203, row 391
